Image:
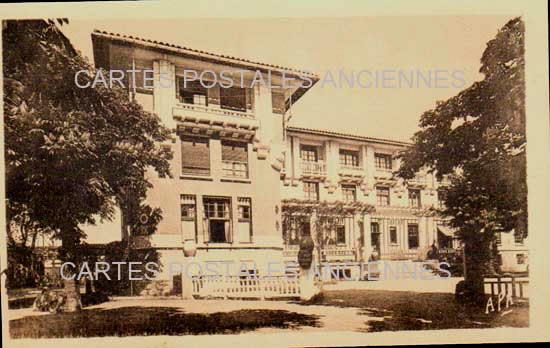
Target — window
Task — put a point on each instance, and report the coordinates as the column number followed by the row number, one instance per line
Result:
column 518, row 237
column 341, row 234
column 233, row 98
column 292, row 230
column 188, row 217
column 413, row 236
column 309, row 153
column 195, row 155
column 383, row 161
column 393, row 235
column 234, row 159
column 311, row 190
column 217, row 219
column 383, row 196
column 244, row 228
column 349, row 193
column 520, row 258
column 192, row 92
column 349, row 158
column 375, row 235
column 414, row 198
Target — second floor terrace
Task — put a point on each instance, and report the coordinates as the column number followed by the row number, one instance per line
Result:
column 188, row 85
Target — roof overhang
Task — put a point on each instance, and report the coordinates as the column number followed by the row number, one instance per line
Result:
column 115, row 51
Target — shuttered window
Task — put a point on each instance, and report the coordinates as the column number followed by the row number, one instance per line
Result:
column 235, row 159
column 195, row 154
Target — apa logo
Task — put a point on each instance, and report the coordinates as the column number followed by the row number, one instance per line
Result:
column 500, row 298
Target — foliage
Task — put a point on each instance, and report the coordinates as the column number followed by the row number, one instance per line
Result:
column 478, row 138
column 72, row 154
column 122, row 285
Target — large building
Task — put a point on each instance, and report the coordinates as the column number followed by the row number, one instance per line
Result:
column 237, row 165
column 228, row 146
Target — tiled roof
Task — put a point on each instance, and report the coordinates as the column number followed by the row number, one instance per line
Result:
column 348, row 136
column 190, row 51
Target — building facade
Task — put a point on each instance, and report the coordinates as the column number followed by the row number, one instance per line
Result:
column 334, row 167
column 236, row 163
column 228, row 146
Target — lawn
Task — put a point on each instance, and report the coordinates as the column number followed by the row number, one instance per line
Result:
column 402, row 310
column 141, row 321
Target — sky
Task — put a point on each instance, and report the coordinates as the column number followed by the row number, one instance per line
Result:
column 417, row 44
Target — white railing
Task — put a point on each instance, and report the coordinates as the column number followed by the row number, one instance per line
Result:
column 291, row 250
column 210, row 110
column 246, row 287
column 318, row 168
column 354, row 168
column 334, row 251
column 517, row 287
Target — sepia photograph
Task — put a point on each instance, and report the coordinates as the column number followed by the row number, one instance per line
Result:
column 193, row 177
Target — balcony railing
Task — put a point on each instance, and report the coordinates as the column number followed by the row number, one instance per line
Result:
column 215, row 110
column 333, row 250
column 318, row 168
column 348, row 167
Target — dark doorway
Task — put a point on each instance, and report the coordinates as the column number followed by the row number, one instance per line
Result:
column 217, row 231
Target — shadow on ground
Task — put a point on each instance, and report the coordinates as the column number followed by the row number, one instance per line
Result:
column 403, row 310
column 145, row 321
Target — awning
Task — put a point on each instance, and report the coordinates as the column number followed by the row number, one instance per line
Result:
column 446, row 230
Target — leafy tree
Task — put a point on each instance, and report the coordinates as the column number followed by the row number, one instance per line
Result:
column 478, row 138
column 72, row 154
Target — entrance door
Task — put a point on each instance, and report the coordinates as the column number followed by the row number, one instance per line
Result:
column 217, row 211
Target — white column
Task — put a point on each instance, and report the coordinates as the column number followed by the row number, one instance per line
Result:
column 369, row 165
column 296, row 160
column 422, row 237
column 164, row 93
column 367, row 248
column 331, row 159
column 289, row 173
column 263, row 110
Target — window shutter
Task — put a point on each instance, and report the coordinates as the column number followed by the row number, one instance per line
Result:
column 195, row 154
column 234, row 152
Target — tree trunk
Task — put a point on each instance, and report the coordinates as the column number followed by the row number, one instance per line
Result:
column 71, row 286
column 477, row 256
column 72, row 292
